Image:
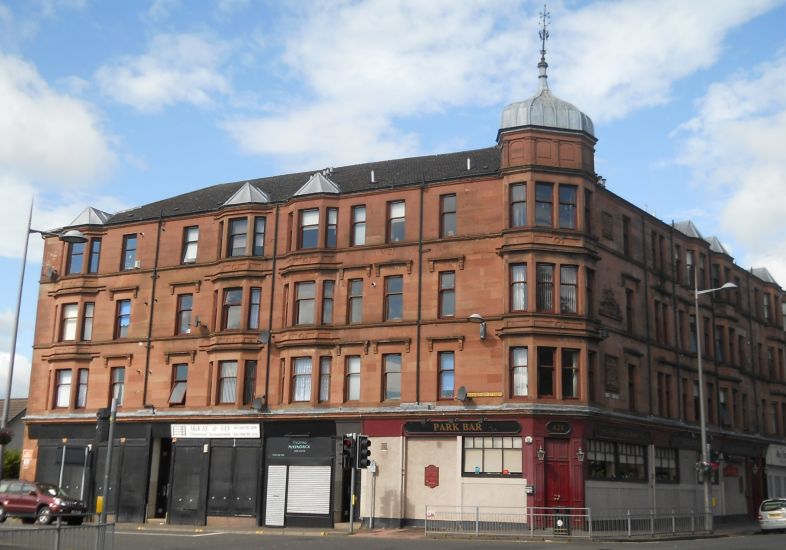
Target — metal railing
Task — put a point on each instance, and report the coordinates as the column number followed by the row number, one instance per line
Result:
column 508, row 522
column 648, row 523
column 89, row 536
column 537, row 522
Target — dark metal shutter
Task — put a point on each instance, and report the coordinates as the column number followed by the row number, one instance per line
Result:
column 245, row 481
column 219, row 488
column 133, row 483
column 186, row 485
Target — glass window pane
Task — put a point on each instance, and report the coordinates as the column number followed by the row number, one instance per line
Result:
column 473, row 461
column 310, row 217
column 397, row 209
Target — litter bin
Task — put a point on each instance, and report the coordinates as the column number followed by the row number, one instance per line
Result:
column 562, row 522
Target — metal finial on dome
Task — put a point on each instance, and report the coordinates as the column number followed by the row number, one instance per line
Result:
column 544, row 108
column 545, row 17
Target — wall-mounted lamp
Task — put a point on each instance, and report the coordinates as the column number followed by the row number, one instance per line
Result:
column 478, row 318
column 541, row 454
column 580, row 455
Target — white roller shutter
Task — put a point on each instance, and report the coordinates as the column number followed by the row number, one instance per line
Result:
column 276, row 494
column 308, row 491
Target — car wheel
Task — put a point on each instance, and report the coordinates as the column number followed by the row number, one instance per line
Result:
column 2, row 514
column 44, row 516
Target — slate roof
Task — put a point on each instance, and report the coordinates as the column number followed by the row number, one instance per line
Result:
column 317, row 184
column 764, row 274
column 91, row 216
column 16, row 407
column 247, row 194
column 716, row 246
column 688, row 228
column 349, row 179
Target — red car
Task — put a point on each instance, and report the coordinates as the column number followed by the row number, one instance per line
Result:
column 32, row 501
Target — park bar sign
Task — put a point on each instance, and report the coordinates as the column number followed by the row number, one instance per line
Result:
column 462, row 427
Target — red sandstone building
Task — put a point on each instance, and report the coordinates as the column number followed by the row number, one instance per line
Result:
column 245, row 327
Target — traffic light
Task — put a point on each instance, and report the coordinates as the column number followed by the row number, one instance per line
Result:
column 364, row 451
column 714, row 460
column 348, row 451
column 102, row 425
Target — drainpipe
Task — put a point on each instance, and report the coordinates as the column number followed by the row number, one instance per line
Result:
column 270, row 316
column 154, row 276
column 677, row 328
column 753, row 355
column 650, row 385
column 420, row 293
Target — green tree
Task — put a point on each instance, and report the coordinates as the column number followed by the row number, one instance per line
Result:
column 11, row 459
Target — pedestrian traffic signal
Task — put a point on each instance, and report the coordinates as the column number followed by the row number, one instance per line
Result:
column 102, row 425
column 348, row 451
column 364, row 451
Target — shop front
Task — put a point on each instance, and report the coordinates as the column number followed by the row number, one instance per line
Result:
column 776, row 471
column 213, row 472
column 305, row 481
column 437, row 462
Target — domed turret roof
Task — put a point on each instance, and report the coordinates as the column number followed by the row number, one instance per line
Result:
column 544, row 108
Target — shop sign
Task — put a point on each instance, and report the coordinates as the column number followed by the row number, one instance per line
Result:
column 731, row 471
column 27, row 458
column 431, row 476
column 299, row 446
column 624, row 435
column 776, row 455
column 215, row 431
column 558, row 428
column 462, row 427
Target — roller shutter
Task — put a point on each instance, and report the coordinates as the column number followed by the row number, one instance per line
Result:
column 308, row 490
column 276, row 495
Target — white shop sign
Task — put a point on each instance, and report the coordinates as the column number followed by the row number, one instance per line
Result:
column 215, row 431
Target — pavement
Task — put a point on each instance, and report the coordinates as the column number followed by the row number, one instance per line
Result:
column 728, row 528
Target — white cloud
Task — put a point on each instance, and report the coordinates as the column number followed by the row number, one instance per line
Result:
column 20, row 385
column 735, row 148
column 51, row 210
column 46, row 135
column 161, row 9
column 177, row 68
column 363, row 67
column 612, row 58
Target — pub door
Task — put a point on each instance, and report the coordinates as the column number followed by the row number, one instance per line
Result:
column 557, row 474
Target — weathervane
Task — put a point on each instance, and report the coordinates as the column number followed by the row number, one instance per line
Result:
column 545, row 17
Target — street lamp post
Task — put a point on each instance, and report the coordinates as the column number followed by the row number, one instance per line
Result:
column 702, row 405
column 71, row 236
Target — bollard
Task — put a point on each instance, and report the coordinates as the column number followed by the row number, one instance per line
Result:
column 629, row 533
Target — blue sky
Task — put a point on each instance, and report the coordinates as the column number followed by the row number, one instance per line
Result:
column 116, row 104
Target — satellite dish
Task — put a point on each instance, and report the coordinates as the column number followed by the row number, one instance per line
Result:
column 461, row 394
column 258, row 404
